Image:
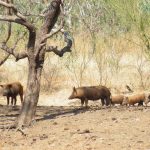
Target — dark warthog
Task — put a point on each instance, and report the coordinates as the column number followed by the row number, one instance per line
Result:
column 12, row 90
column 92, row 93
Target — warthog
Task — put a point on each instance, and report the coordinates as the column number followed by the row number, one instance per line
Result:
column 117, row 99
column 138, row 98
column 11, row 90
column 92, row 93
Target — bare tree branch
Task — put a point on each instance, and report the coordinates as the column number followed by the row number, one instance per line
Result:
column 8, row 12
column 58, row 29
column 15, row 19
column 33, row 15
column 67, row 48
column 20, row 19
column 49, row 22
column 129, row 89
column 11, row 51
column 8, row 5
column 55, row 31
column 4, row 59
column 18, row 39
column 28, row 25
column 9, row 32
column 61, row 52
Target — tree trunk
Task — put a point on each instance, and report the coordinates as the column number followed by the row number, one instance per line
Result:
column 36, row 55
column 31, row 95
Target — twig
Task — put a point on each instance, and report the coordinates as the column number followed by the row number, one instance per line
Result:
column 16, row 12
column 21, row 131
column 4, row 59
column 11, row 51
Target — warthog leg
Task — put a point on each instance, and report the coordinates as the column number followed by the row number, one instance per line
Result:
column 7, row 100
column 103, row 102
column 82, row 102
column 86, row 102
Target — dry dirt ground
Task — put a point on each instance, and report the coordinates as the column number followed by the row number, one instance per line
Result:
column 75, row 128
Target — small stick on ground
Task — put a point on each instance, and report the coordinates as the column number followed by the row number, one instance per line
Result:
column 21, row 131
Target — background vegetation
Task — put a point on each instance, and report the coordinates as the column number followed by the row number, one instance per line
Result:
column 111, row 45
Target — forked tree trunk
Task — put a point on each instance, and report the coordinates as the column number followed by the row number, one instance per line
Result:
column 36, row 49
column 36, row 54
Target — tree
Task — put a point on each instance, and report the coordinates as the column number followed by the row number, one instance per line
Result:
column 35, row 51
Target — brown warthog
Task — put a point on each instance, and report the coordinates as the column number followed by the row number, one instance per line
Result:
column 92, row 93
column 11, row 90
column 117, row 99
column 138, row 98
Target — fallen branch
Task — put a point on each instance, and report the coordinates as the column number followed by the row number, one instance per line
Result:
column 21, row 131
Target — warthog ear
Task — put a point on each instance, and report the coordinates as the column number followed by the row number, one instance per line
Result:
column 9, row 85
column 1, row 86
column 74, row 89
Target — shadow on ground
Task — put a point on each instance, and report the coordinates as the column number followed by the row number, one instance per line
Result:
column 8, row 114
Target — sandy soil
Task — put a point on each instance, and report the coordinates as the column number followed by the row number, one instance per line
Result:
column 75, row 128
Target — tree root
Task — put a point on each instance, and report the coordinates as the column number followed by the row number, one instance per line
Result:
column 21, row 131
column 33, row 122
column 14, row 126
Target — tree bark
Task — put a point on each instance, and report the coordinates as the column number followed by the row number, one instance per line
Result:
column 31, row 95
column 36, row 56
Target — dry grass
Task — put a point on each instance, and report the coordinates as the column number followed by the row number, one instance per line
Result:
column 115, row 63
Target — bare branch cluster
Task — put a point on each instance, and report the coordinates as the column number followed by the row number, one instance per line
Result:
column 17, row 55
column 15, row 11
column 67, row 48
column 14, row 16
column 17, row 17
column 46, row 30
